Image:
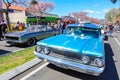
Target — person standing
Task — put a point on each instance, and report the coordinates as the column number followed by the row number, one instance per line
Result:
column 16, row 26
column 4, row 27
column 111, row 27
column 60, row 27
column 64, row 26
column 0, row 30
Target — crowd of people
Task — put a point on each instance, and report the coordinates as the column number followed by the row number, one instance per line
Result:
column 3, row 27
column 109, row 29
column 62, row 26
column 19, row 26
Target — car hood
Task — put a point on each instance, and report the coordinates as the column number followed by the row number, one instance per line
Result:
column 17, row 34
column 80, row 45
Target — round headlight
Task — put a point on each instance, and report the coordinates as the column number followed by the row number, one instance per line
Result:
column 98, row 62
column 85, row 59
column 38, row 49
column 46, row 50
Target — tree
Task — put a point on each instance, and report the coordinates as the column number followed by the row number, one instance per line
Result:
column 76, row 15
column 8, row 3
column 94, row 20
column 41, row 8
column 82, row 16
column 112, row 14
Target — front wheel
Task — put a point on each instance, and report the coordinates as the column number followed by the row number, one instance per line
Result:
column 31, row 41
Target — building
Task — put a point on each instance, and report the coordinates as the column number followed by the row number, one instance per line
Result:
column 44, row 19
column 1, row 11
column 18, row 13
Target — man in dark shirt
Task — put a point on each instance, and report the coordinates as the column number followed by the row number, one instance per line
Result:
column 111, row 30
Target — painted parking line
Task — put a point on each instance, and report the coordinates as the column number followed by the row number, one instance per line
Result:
column 117, row 41
column 33, row 72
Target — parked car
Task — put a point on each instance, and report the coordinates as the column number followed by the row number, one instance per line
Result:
column 31, row 35
column 79, row 48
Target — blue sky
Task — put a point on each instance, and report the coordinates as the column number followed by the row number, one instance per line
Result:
column 96, row 8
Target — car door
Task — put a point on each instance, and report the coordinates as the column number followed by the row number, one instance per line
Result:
column 51, row 31
column 41, row 32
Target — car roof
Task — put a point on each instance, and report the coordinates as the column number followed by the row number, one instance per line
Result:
column 84, row 24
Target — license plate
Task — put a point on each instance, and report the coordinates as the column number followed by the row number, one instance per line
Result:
column 60, row 65
column 89, row 71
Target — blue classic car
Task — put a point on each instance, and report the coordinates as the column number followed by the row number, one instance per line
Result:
column 31, row 35
column 79, row 48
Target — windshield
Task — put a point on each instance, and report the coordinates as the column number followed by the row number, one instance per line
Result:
column 82, row 32
column 34, row 28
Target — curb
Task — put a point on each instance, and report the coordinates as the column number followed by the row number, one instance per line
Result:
column 12, row 73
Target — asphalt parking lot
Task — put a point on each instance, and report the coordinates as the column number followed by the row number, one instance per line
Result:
column 6, row 48
column 112, row 70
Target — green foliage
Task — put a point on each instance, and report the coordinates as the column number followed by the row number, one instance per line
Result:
column 111, row 14
column 108, row 16
column 13, row 60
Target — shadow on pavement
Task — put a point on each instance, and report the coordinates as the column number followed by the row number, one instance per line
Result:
column 110, row 72
column 17, row 45
column 3, row 52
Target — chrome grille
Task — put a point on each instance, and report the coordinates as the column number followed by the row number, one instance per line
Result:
column 69, row 56
column 65, row 53
column 65, row 57
column 11, row 38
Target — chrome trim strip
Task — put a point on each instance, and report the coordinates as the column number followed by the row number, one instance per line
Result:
column 71, row 65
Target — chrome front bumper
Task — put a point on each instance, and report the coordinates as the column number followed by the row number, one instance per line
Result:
column 71, row 65
column 14, row 41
